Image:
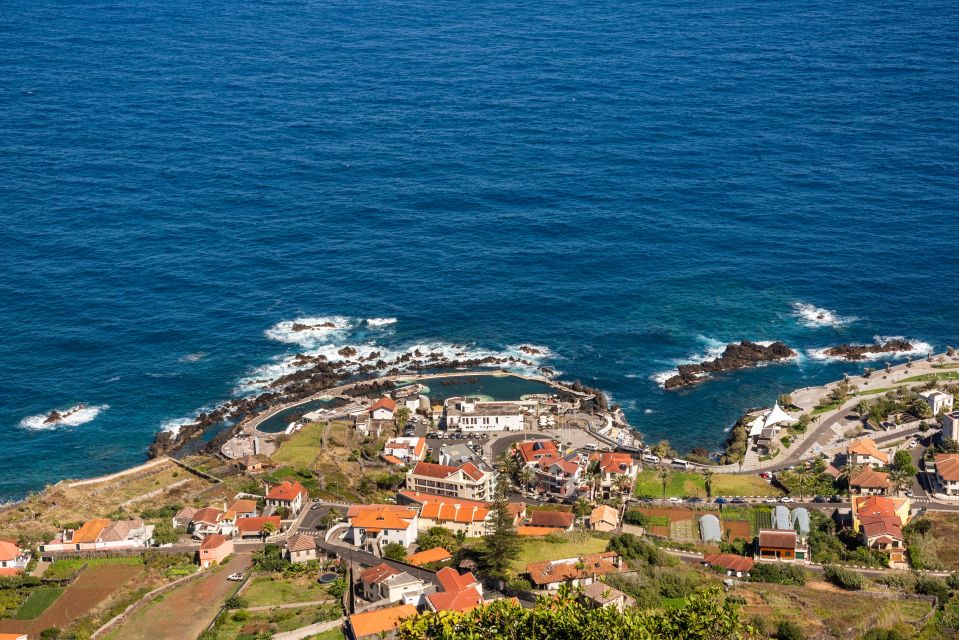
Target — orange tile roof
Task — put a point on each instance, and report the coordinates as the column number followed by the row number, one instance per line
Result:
column 879, row 525
column 604, row 513
column 947, row 466
column 13, row 636
column 534, row 449
column 356, row 509
column 867, row 447
column 869, row 478
column 452, row 580
column 874, row 506
column 212, row 541
column 207, row 515
column 615, row 462
column 536, row 532
column 437, row 554
column 10, row 571
column 286, row 491
column 777, row 539
column 90, row 531
column 255, row 525
column 379, row 519
column 9, row 550
column 572, row 568
column 377, row 574
column 459, row 601
column 371, row 623
column 454, row 510
column 729, row 561
column 393, row 460
column 243, row 506
column 384, row 403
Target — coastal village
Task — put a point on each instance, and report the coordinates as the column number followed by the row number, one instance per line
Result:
column 832, row 512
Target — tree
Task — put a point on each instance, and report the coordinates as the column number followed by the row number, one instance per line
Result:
column 437, row 537
column 594, row 475
column 849, row 471
column 708, row 481
column 789, row 630
column 330, row 518
column 527, row 476
column 163, row 533
column 663, row 449
column 802, row 476
column 802, row 424
column 582, row 508
column 400, row 418
column 268, row 529
column 901, row 478
column 501, row 544
column 785, row 400
column 903, row 460
column 624, row 484
column 394, row 551
column 664, row 475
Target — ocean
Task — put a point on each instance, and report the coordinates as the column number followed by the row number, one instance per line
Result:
column 626, row 185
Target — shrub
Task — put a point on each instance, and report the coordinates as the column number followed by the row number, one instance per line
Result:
column 844, row 578
column 776, row 573
column 932, row 586
column 789, row 630
column 635, row 518
column 953, row 581
column 395, row 551
column 901, row 580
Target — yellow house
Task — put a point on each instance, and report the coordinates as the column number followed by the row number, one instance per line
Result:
column 879, row 506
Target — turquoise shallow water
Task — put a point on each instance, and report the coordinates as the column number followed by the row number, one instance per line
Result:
column 629, row 185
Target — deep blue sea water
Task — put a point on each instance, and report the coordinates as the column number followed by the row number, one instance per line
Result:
column 627, row 184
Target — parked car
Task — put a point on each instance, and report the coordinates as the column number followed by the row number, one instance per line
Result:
column 235, row 577
column 695, row 500
column 674, row 499
column 786, row 499
column 835, row 499
column 720, row 500
column 651, row 459
column 764, row 475
column 819, row 499
column 771, row 501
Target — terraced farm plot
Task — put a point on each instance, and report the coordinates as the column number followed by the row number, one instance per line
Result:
column 689, row 484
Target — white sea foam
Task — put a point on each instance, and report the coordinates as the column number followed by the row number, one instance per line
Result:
column 173, row 426
column 72, row 417
column 919, row 348
column 317, row 330
column 649, row 411
column 193, row 357
column 380, row 322
column 810, row 315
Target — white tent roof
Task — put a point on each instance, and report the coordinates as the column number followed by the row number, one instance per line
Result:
column 756, row 426
column 778, row 416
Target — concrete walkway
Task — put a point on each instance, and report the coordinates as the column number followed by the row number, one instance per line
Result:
column 313, row 629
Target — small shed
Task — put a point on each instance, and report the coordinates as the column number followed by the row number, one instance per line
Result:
column 709, row 528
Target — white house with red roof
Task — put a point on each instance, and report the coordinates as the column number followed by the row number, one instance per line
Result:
column 373, row 526
column 465, row 481
column 613, row 467
column 472, row 517
column 209, row 521
column 530, row 452
column 383, row 409
column 258, row 527
column 291, row 495
column 404, row 450
column 560, row 476
column 13, row 559
column 458, row 592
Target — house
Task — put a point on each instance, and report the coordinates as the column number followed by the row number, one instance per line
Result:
column 210, row 520
column 258, row 527
column 782, row 545
column 883, row 532
column 459, row 453
column 518, row 511
column 288, row 495
column 562, row 520
column 735, row 566
column 436, row 554
column 256, row 463
column 458, row 592
column 465, row 481
column 536, row 532
column 869, row 482
column 939, row 401
column 385, row 582
column 581, row 571
column 950, row 426
column 184, row 517
column 102, row 534
column 380, row 624
column 405, row 450
column 383, row 409
column 603, row 518
column 13, row 559
column 865, row 451
column 301, row 548
column 472, row 517
column 472, row 415
column 243, row 508
column 373, row 526
column 947, row 473
column 214, row 548
column 599, row 594
column 561, row 477
column 879, row 505
column 613, row 467
column 532, row 451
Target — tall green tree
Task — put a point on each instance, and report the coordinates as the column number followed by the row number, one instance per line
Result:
column 664, row 475
column 708, row 481
column 501, row 544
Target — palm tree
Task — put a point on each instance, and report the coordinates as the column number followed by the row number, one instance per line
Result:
column 708, row 481
column 527, row 476
column 901, row 478
column 664, row 475
column 595, row 476
column 849, row 471
column 624, row 484
column 802, row 474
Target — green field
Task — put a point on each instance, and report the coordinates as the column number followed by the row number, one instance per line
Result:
column 332, row 634
column 948, row 375
column 539, row 549
column 277, row 621
column 65, row 568
column 302, row 447
column 264, row 591
column 37, row 602
column 688, row 484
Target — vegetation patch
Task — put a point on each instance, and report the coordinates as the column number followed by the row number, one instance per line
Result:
column 37, row 602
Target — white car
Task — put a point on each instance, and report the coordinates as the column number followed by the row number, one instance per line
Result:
column 786, row 499
column 674, row 499
column 770, row 501
column 235, row 577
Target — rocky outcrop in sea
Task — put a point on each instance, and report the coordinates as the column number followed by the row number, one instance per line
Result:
column 736, row 356
column 862, row 351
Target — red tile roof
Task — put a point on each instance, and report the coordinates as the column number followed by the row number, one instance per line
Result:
column 869, row 478
column 9, row 550
column 535, row 449
column 300, row 542
column 370, row 623
column 384, row 403
column 437, row 554
column 459, row 601
column 874, row 505
column 207, row 515
column 777, row 539
column 615, row 463
column 877, row 525
column 375, row 575
column 377, row 519
column 595, row 564
column 212, row 541
column 560, row 519
column 255, row 525
column 867, row 447
column 729, row 561
column 452, row 580
column 443, row 471
column 286, row 491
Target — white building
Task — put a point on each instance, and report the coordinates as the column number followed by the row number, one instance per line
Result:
column 13, row 559
column 464, row 481
column 950, row 425
column 383, row 582
column 373, row 526
column 383, row 409
column 406, row 449
column 474, row 416
column 103, row 534
column 938, row 401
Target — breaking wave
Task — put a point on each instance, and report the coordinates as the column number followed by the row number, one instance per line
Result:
column 919, row 348
column 173, row 426
column 308, row 332
column 72, row 417
column 380, row 322
column 810, row 315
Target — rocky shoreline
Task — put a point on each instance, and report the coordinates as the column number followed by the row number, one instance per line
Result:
column 743, row 355
column 861, row 351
